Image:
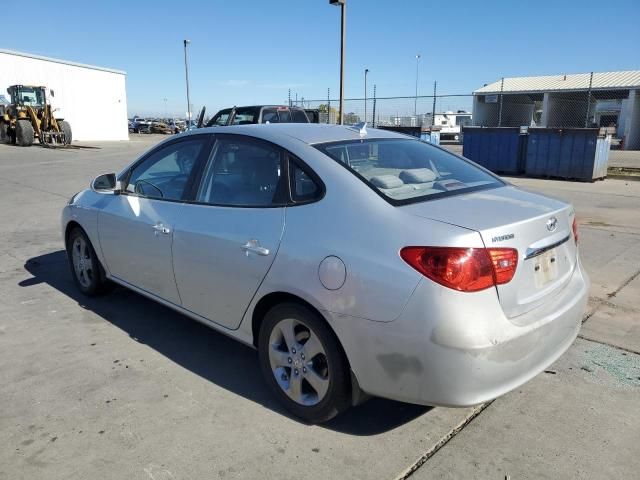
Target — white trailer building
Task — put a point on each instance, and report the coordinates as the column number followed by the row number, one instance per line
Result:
column 92, row 99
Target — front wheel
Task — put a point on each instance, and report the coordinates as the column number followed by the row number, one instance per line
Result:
column 66, row 129
column 303, row 364
column 86, row 269
column 24, row 133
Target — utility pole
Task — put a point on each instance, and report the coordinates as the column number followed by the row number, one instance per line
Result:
column 433, row 111
column 415, row 103
column 186, row 74
column 366, row 70
column 373, row 120
column 343, row 18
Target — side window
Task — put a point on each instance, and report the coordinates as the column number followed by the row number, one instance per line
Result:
column 298, row 116
column 164, row 173
column 285, row 115
column 243, row 173
column 303, row 186
column 221, row 119
column 270, row 115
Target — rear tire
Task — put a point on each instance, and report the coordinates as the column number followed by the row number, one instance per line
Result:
column 4, row 133
column 66, row 129
column 87, row 272
column 24, row 133
column 321, row 381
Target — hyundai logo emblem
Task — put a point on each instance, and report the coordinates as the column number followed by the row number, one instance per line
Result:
column 552, row 224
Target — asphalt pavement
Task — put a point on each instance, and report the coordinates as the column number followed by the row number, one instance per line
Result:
column 121, row 387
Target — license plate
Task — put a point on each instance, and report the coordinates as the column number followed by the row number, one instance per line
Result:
column 546, row 268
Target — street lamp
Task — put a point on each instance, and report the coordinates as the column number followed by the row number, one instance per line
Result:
column 366, row 70
column 186, row 74
column 343, row 14
column 415, row 103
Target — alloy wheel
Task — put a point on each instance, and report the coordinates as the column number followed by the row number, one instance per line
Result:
column 299, row 362
column 82, row 262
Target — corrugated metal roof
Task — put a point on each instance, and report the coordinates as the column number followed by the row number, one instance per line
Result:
column 577, row 81
column 57, row 60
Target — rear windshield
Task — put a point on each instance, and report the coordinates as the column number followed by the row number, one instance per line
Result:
column 407, row 170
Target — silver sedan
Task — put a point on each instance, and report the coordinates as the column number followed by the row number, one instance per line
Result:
column 356, row 262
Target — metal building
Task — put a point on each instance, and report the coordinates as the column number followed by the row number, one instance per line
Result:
column 608, row 99
column 93, row 99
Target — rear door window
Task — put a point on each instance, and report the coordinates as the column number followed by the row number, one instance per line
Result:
column 305, row 186
column 243, row 172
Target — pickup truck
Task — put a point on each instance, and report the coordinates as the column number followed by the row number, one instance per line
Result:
column 259, row 114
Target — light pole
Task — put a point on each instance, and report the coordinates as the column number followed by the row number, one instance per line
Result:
column 366, row 70
column 343, row 14
column 415, row 103
column 186, row 74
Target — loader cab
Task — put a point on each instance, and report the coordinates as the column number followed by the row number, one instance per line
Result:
column 28, row 96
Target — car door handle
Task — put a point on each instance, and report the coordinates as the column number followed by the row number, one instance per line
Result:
column 160, row 228
column 254, row 247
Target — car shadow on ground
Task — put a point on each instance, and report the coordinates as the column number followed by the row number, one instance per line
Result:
column 202, row 350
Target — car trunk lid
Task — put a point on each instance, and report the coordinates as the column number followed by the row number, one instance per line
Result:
column 539, row 227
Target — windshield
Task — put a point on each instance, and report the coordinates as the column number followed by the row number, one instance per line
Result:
column 33, row 97
column 406, row 171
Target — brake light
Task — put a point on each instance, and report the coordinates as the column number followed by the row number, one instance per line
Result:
column 574, row 227
column 463, row 269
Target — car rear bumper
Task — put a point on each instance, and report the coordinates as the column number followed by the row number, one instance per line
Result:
column 459, row 349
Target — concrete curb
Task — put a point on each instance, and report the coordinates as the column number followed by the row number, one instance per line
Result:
column 624, row 173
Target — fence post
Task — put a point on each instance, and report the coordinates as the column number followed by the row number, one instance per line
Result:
column 433, row 109
column 500, row 108
column 373, row 120
column 586, row 116
column 328, row 105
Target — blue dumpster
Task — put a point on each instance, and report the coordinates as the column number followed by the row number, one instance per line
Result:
column 569, row 153
column 499, row 149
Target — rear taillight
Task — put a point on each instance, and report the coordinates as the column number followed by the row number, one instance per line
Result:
column 463, row 269
column 574, row 227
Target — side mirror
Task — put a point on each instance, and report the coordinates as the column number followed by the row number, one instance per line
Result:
column 106, row 183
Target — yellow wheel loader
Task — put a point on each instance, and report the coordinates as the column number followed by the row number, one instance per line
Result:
column 29, row 116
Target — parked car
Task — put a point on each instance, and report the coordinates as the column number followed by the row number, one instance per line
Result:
column 140, row 125
column 259, row 114
column 162, row 128
column 356, row 262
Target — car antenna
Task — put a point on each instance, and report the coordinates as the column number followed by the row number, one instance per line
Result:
column 361, row 128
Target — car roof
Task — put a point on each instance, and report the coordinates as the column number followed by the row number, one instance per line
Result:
column 309, row 133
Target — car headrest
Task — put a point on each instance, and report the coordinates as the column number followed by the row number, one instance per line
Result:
column 386, row 181
column 417, row 175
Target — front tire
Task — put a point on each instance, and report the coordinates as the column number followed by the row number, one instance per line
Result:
column 66, row 129
column 303, row 364
column 87, row 272
column 24, row 133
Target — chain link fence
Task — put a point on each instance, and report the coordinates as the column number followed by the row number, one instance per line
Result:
column 570, row 101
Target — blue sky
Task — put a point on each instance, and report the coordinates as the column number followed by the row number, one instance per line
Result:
column 253, row 51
